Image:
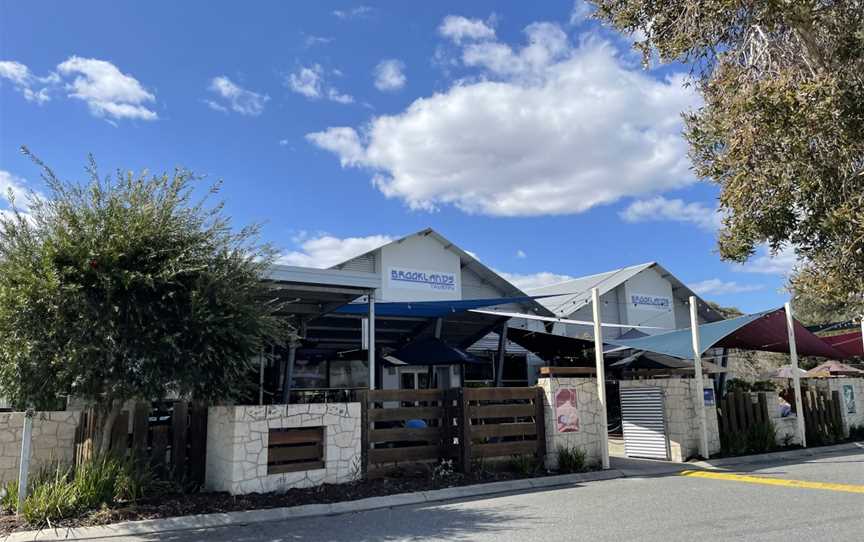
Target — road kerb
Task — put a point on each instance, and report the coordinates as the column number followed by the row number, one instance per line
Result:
column 226, row 519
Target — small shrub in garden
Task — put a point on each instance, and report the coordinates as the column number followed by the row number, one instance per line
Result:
column 443, row 471
column 856, row 432
column 761, row 438
column 571, row 459
column 524, row 465
column 9, row 497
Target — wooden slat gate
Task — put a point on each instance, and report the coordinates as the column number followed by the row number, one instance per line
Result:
column 738, row 415
column 410, row 426
column 823, row 419
column 172, row 439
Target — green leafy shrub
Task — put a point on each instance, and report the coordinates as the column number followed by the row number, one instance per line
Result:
column 761, row 438
column 9, row 497
column 525, row 465
column 65, row 492
column 571, row 459
column 856, row 432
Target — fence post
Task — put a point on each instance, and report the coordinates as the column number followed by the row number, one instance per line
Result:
column 179, row 428
column 540, row 421
column 364, row 433
column 464, row 431
column 763, row 408
column 24, row 464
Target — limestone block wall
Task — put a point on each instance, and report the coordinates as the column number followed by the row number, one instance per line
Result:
column 682, row 422
column 237, row 439
column 53, row 441
column 588, row 407
column 837, row 384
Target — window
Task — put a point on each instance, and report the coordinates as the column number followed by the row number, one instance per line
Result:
column 345, row 373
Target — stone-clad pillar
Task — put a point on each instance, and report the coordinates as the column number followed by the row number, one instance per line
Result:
column 562, row 429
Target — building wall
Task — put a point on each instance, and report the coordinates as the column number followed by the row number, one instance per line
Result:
column 682, row 423
column 237, row 440
column 420, row 253
column 648, row 284
column 590, row 427
column 53, row 441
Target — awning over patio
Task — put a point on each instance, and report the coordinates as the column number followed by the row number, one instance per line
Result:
column 430, row 351
column 848, row 343
column 765, row 331
column 430, row 309
column 549, row 346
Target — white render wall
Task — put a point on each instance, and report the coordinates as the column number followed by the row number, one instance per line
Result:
column 588, row 406
column 237, row 439
column 682, row 423
column 53, row 441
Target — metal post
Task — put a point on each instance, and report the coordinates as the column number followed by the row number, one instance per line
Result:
column 371, row 350
column 699, row 393
column 502, row 353
column 601, row 378
column 24, row 463
column 796, row 379
column 261, row 376
column 289, row 371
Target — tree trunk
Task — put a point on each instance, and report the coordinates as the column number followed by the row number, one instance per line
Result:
column 105, row 434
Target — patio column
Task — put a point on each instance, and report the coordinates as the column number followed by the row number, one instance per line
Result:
column 698, row 394
column 502, row 353
column 601, row 378
column 796, row 378
column 371, row 339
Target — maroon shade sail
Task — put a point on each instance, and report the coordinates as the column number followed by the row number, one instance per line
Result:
column 848, row 343
column 769, row 334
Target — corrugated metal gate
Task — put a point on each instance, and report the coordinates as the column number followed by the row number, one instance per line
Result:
column 643, row 423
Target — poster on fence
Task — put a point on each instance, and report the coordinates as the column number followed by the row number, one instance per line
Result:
column 566, row 414
column 849, row 398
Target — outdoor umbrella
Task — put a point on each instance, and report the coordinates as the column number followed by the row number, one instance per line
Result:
column 781, row 373
column 834, row 368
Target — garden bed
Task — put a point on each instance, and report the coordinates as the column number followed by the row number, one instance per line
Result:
column 170, row 504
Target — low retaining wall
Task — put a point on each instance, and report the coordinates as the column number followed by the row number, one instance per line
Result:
column 682, row 422
column 53, row 441
column 587, row 437
column 237, row 446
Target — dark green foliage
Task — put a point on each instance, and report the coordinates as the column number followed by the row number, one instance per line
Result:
column 759, row 438
column 525, row 465
column 571, row 459
column 126, row 287
column 856, row 432
column 781, row 130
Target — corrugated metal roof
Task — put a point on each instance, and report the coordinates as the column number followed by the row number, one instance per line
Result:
column 576, row 293
column 490, row 343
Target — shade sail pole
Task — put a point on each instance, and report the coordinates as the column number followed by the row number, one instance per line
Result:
column 699, row 387
column 371, row 348
column 601, row 378
column 796, row 378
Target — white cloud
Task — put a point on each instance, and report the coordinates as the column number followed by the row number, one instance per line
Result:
column 580, row 12
column 309, row 81
column 458, row 28
column 326, row 251
column 312, row 41
column 531, row 281
column 236, row 98
column 521, row 254
column 782, row 263
column 353, row 13
column 15, row 185
column 549, row 129
column 26, row 83
column 107, row 91
column 720, row 287
column 677, row 210
column 390, row 75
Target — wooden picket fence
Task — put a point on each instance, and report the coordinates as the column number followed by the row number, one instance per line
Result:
column 172, row 439
column 460, row 424
column 823, row 419
column 739, row 411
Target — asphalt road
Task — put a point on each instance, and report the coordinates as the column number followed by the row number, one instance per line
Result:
column 647, row 506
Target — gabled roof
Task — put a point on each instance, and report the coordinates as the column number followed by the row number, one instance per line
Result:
column 575, row 293
column 466, row 260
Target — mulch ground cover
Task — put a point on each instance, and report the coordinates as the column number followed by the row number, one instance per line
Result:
column 181, row 504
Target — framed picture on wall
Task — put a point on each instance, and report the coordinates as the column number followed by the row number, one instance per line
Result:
column 849, row 398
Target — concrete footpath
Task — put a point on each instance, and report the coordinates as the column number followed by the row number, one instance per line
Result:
column 622, row 468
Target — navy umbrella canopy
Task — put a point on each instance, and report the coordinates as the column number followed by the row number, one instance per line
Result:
column 431, row 352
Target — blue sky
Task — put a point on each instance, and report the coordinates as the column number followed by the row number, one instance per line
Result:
column 524, row 132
